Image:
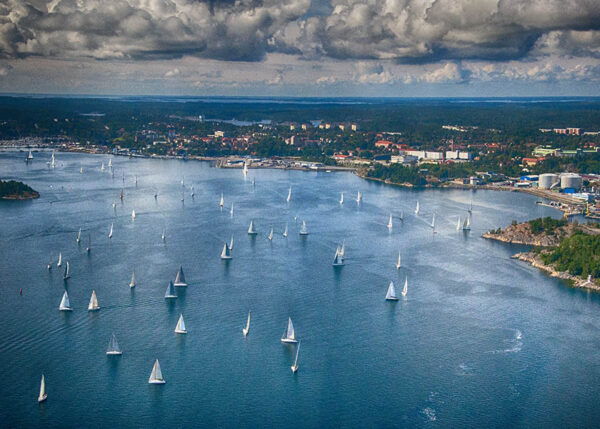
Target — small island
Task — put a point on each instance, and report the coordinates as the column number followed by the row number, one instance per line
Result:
column 13, row 190
column 567, row 250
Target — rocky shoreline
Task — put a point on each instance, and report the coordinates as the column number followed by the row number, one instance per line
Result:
column 535, row 261
column 22, row 197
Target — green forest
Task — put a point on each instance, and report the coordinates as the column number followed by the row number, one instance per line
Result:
column 579, row 255
column 12, row 188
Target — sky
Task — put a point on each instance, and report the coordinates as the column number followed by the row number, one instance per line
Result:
column 361, row 48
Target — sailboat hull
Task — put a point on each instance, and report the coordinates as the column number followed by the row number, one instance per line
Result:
column 65, row 309
column 180, row 284
column 294, row 368
column 289, row 340
column 42, row 398
column 180, row 331
column 245, row 332
column 225, row 258
column 114, row 353
column 391, row 299
column 156, row 381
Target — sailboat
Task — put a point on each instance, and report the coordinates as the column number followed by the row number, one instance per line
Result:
column 342, row 198
column 114, row 205
column 109, row 162
column 163, row 236
column 43, row 395
column 59, row 263
column 399, row 263
column 458, row 224
column 102, row 168
column 251, row 230
column 110, row 234
column 289, row 336
column 342, row 250
column 182, row 196
column 405, row 288
column 66, row 274
column 132, row 282
column 93, row 306
column 79, row 236
column 253, row 182
column 417, row 208
column 389, row 225
column 170, row 292
column 192, row 193
column 231, row 210
column 391, row 293
column 180, row 278
column 470, row 210
column 294, row 367
column 433, row 223
column 303, row 230
column 289, row 197
column 231, row 243
column 80, row 170
column 133, row 214
column 155, row 195
column 136, row 181
column 402, row 216
column 180, row 328
column 245, row 170
column 467, row 224
column 285, row 231
column 226, row 253
column 338, row 259
column 89, row 246
column 29, row 156
column 358, row 197
column 113, row 347
column 53, row 160
column 156, row 376
column 49, row 264
column 65, row 305
column 121, row 196
column 247, row 328
column 270, row 237
column 222, row 200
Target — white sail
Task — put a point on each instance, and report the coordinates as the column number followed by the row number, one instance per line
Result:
column 294, row 367
column 342, row 198
column 132, row 282
column 402, row 215
column 114, row 205
column 65, row 305
column 222, row 200
column 285, row 231
column 231, row 210
column 133, row 214
column 180, row 278
column 81, row 170
column 467, row 223
column 342, row 250
column 247, row 328
column 433, row 222
column 53, row 161
column 225, row 254
column 110, row 234
column 417, row 208
column 89, row 246
column 231, row 243
column 113, row 346
column 43, row 396
column 389, row 225
column 59, row 263
column 67, row 274
column 270, row 237
column 110, row 162
column 391, row 293
column 245, row 169
column 79, row 236
column 192, row 191
column 338, row 259
column 170, row 292
column 163, row 236
column 399, row 263
column 49, row 264
column 251, row 230
column 358, row 197
column 180, row 328
column 102, row 168
column 458, row 224
column 303, row 230
column 405, row 288
column 289, row 336
column 93, row 306
column 289, row 197
column 156, row 376
column 29, row 155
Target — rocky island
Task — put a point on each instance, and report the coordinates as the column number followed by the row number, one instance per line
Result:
column 567, row 250
column 13, row 190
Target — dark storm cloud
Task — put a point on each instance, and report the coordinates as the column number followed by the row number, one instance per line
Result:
column 245, row 30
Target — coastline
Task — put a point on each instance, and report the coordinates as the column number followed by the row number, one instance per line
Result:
column 575, row 281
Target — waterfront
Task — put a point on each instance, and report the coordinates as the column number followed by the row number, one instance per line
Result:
column 481, row 340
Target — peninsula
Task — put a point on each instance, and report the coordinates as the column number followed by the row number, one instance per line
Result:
column 567, row 250
column 13, row 190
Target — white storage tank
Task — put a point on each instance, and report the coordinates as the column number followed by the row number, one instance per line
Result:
column 571, row 181
column 547, row 180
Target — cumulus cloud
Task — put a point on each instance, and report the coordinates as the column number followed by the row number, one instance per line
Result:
column 246, row 30
column 173, row 73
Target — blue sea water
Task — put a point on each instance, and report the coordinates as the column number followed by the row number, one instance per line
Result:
column 480, row 340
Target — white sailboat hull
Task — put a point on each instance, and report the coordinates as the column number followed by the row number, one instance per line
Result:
column 180, row 331
column 289, row 340
column 43, row 397
column 180, row 284
column 391, row 299
column 156, row 381
column 245, row 332
column 65, row 309
column 114, row 353
column 294, row 368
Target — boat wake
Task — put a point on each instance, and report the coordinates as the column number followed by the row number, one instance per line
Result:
column 514, row 345
column 464, row 370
